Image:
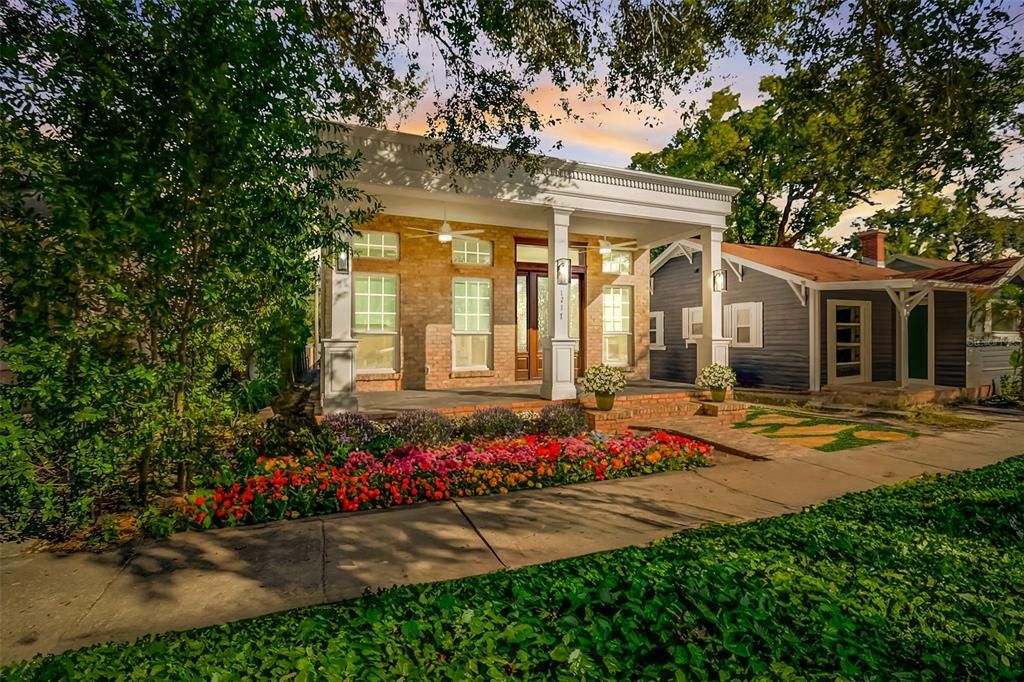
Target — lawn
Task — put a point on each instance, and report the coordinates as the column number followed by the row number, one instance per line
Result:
column 922, row 580
column 817, row 432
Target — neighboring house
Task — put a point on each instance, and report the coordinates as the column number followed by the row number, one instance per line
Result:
column 511, row 278
column 805, row 320
column 991, row 339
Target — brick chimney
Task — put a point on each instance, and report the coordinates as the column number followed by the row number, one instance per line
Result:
column 872, row 247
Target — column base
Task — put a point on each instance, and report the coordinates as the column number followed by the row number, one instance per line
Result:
column 712, row 351
column 338, row 376
column 559, row 370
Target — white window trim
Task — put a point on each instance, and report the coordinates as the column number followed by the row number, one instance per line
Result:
column 658, row 318
column 367, row 233
column 628, row 334
column 866, row 358
column 490, row 332
column 358, row 333
column 490, row 251
column 688, row 315
column 756, row 309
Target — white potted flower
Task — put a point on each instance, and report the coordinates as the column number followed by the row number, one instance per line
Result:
column 718, row 379
column 604, row 382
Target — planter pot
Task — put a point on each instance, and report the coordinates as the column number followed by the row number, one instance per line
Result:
column 605, row 401
column 718, row 394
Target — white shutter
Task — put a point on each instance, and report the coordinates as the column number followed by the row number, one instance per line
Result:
column 757, row 325
column 686, row 323
column 727, row 326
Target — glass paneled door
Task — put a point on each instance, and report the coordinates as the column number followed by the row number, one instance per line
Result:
column 849, row 341
column 532, row 321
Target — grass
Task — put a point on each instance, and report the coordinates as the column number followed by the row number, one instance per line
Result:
column 922, row 580
column 842, row 440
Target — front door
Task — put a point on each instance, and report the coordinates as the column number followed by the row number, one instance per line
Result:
column 849, row 341
column 532, row 321
column 917, row 343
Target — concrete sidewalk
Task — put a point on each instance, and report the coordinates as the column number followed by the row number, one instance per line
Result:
column 53, row 602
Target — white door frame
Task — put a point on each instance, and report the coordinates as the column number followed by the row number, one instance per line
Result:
column 865, row 342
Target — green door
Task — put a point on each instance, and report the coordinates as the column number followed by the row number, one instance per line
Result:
column 917, row 343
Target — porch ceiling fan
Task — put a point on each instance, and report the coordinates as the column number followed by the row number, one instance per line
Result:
column 605, row 246
column 445, row 234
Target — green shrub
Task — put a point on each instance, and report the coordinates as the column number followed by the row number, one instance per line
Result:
column 154, row 523
column 493, row 422
column 563, row 419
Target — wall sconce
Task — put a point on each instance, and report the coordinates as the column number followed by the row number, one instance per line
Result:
column 563, row 270
column 342, row 263
column 719, row 280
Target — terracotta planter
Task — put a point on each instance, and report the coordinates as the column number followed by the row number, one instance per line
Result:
column 718, row 394
column 605, row 401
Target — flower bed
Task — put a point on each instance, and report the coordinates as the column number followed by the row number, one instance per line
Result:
column 293, row 487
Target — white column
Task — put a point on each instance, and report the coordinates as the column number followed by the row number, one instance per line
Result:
column 559, row 376
column 711, row 347
column 338, row 354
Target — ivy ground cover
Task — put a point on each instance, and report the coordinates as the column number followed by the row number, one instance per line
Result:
column 291, row 487
column 922, row 581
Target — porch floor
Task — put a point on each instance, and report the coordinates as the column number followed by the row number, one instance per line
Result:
column 887, row 393
column 521, row 395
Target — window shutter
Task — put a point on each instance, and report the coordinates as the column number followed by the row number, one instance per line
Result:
column 686, row 323
column 757, row 324
column 727, row 324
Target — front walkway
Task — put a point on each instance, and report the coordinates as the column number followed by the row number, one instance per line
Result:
column 53, row 602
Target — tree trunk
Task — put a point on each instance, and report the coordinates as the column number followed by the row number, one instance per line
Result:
column 780, row 237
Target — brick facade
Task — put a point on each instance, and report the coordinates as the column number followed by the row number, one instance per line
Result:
column 425, row 272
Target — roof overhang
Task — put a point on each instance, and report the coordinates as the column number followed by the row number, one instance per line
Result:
column 653, row 209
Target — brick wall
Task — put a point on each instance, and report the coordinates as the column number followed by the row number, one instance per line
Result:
column 425, row 272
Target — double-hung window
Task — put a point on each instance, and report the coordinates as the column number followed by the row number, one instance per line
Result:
column 382, row 245
column 617, row 324
column 744, row 324
column 471, row 324
column 471, row 251
column 375, row 322
column 657, row 331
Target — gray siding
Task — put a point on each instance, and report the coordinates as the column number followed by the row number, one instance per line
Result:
column 883, row 332
column 951, row 338
column 782, row 362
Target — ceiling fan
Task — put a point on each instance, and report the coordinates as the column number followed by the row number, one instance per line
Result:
column 445, row 234
column 604, row 246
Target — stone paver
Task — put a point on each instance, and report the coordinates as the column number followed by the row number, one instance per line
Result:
column 51, row 602
column 868, row 434
column 809, row 442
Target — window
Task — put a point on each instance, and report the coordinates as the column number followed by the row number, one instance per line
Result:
column 693, row 323
column 376, row 245
column 1002, row 324
column 657, row 330
column 471, row 251
column 617, row 322
column 617, row 262
column 744, row 324
column 471, row 324
column 375, row 322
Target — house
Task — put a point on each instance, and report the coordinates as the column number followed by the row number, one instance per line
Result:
column 808, row 321
column 990, row 338
column 510, row 278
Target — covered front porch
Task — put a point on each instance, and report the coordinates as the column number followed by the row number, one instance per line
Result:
column 509, row 277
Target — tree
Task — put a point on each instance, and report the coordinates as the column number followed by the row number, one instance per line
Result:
column 929, row 223
column 165, row 182
column 798, row 168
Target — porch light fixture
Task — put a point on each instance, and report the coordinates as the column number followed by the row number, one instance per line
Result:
column 719, row 280
column 445, row 235
column 604, row 247
column 342, row 262
column 563, row 270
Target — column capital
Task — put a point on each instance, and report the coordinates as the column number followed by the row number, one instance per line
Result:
column 560, row 214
